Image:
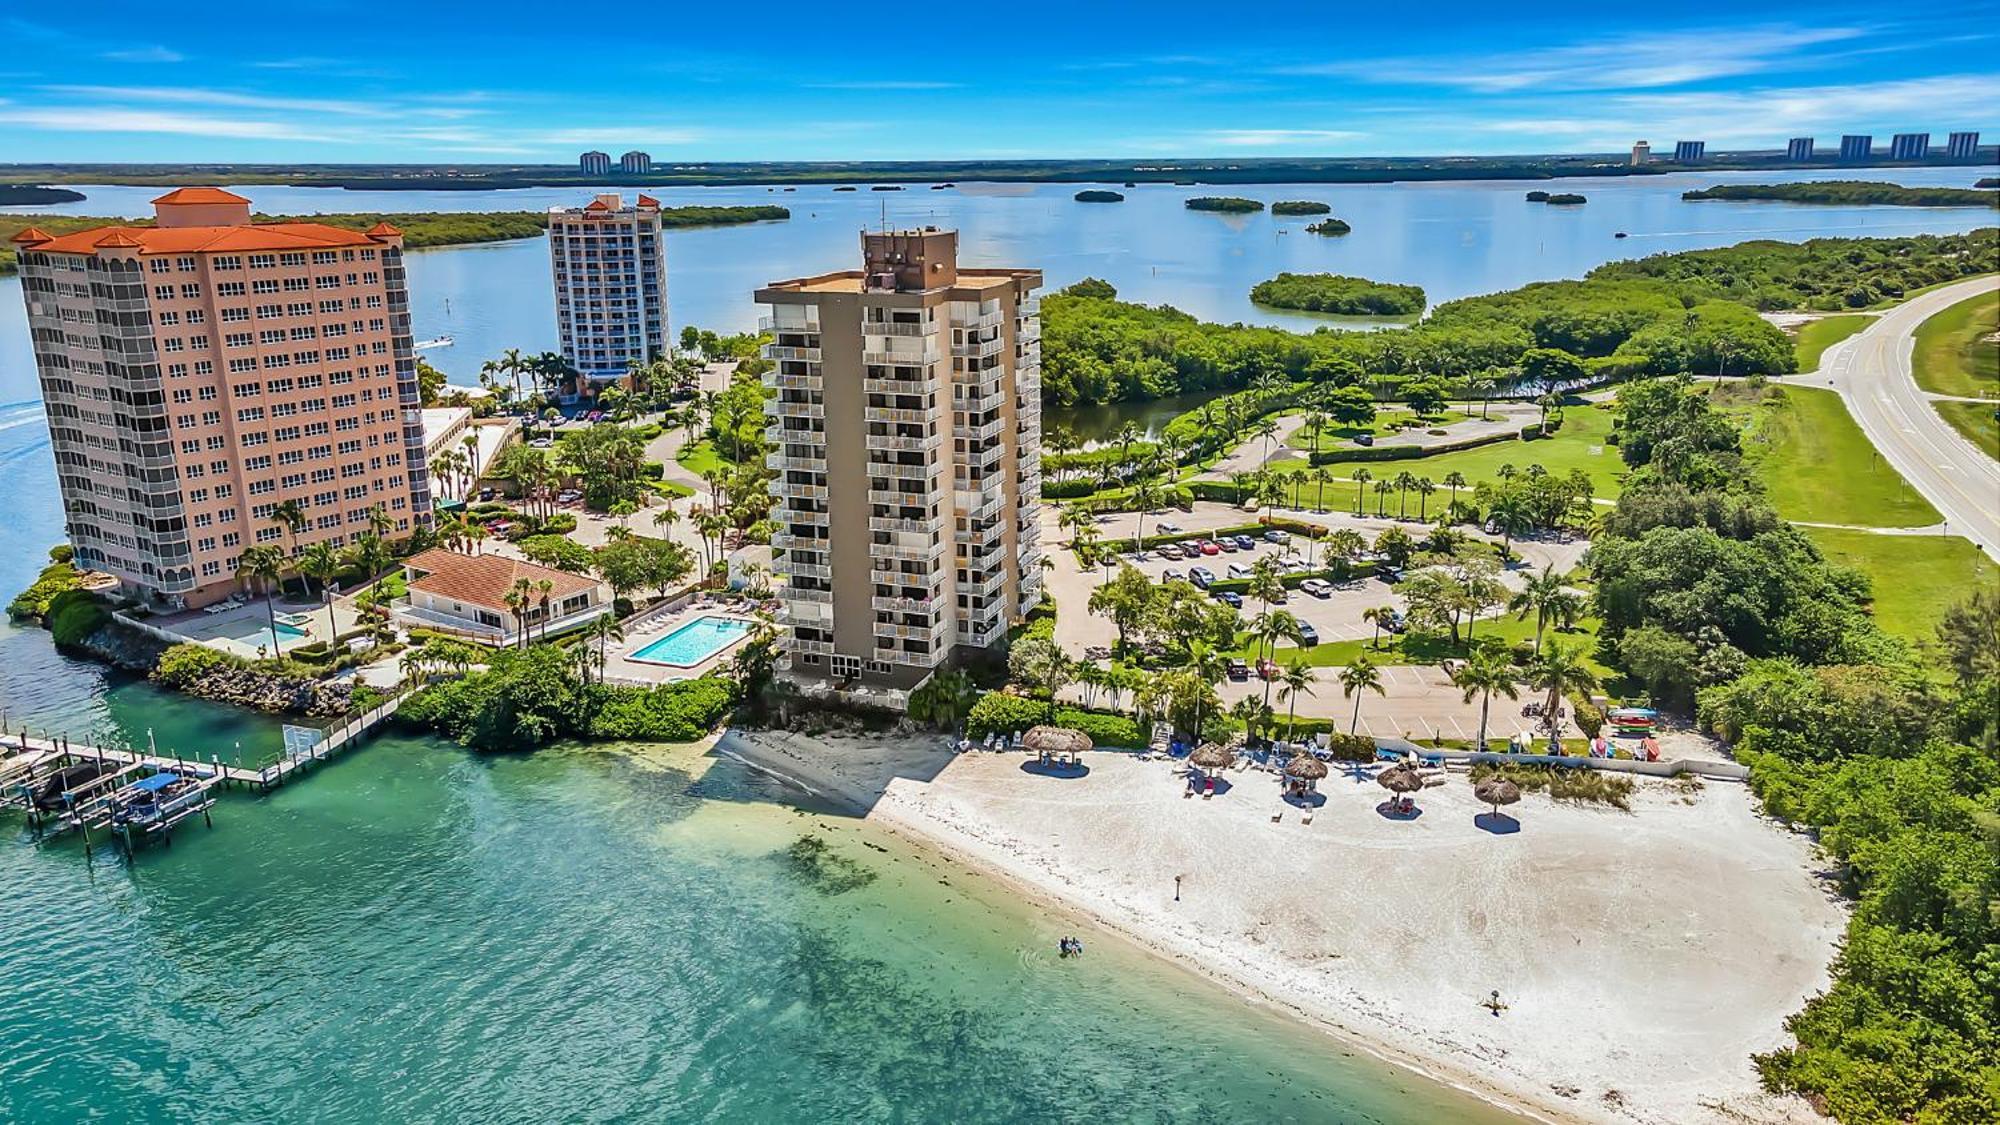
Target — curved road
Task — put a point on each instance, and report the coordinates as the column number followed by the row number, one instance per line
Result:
column 1872, row 372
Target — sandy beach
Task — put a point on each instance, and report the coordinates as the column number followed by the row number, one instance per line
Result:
column 1641, row 956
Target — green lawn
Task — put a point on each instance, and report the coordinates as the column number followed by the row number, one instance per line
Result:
column 700, row 457
column 1817, row 466
column 1916, row 577
column 1814, row 337
column 1386, row 428
column 1413, row 649
column 1975, row 420
column 1956, row 353
column 1578, row 445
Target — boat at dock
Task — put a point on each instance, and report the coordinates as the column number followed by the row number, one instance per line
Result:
column 434, row 342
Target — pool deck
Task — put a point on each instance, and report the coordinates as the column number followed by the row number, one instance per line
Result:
column 621, row 666
column 225, row 630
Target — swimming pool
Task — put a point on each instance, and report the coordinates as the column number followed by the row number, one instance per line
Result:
column 693, row 642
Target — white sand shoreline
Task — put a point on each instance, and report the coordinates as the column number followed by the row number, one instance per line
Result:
column 1339, row 950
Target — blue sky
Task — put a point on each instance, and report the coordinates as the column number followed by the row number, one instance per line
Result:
column 318, row 81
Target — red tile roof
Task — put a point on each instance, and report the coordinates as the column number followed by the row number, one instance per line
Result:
column 648, row 201
column 484, row 580
column 597, row 205
column 383, row 230
column 118, row 238
column 30, row 234
column 189, row 240
column 199, row 195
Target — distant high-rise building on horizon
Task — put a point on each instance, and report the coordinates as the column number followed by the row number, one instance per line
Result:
column 1641, row 153
column 906, row 435
column 200, row 372
column 635, row 163
column 1799, row 148
column 1910, row 146
column 594, row 163
column 610, row 268
column 1856, row 146
column 1690, row 152
column 1962, row 146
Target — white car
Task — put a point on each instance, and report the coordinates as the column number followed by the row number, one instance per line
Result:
column 1167, row 528
column 1317, row 587
column 1278, row 535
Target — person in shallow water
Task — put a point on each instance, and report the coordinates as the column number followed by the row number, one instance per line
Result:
column 1070, row 947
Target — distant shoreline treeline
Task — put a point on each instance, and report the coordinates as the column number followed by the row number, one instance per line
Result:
column 421, row 230
column 487, row 177
column 1849, row 193
column 30, row 195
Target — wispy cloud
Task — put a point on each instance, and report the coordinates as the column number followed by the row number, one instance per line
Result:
column 110, row 119
column 180, row 95
column 1274, row 138
column 1647, row 61
column 152, row 54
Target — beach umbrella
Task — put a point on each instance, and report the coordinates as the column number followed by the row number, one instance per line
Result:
column 1305, row 767
column 1211, row 756
column 1056, row 740
column 1400, row 779
column 1496, row 791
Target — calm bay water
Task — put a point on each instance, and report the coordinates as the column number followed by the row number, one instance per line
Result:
column 419, row 933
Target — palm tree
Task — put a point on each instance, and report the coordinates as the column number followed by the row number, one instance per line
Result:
column 1360, row 676
column 264, row 566
column 1558, row 669
column 544, row 590
column 514, row 365
column 1208, row 665
column 1511, row 513
column 604, row 630
column 1345, row 544
column 1377, row 617
column 1454, row 480
column 290, row 515
column 1538, row 595
column 319, row 563
column 470, row 443
column 1321, row 475
column 1145, row 495
column 1298, row 679
column 1405, row 481
column 516, row 600
column 1266, row 428
column 1273, row 626
column 1315, row 422
column 1424, row 486
column 1361, row 478
column 1487, row 671
column 1382, row 490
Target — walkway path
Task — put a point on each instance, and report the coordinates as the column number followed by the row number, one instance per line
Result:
column 1872, row 372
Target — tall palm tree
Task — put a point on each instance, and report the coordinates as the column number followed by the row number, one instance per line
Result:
column 1360, row 676
column 604, row 630
column 1321, row 475
column 1273, row 626
column 1486, row 672
column 1558, row 669
column 1405, row 481
column 1145, row 495
column 1539, row 594
column 1378, row 616
column 514, row 365
column 264, row 566
column 470, row 443
column 1209, row 666
column 320, row 563
column 1424, row 486
column 1361, row 478
column 1454, row 480
column 1315, row 423
column 1298, row 679
column 1266, row 428
column 1345, row 544
column 544, row 591
column 1382, row 490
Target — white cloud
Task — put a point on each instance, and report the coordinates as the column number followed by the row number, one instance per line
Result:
column 180, row 95
column 153, row 54
column 1274, row 138
column 1647, row 61
column 111, row 119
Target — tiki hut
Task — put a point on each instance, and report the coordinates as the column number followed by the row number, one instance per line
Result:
column 1401, row 780
column 1212, row 756
column 1303, row 773
column 1496, row 791
column 1056, row 742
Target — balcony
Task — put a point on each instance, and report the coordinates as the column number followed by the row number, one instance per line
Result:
column 912, row 357
column 894, row 328
column 907, row 605
column 779, row 408
column 921, row 386
column 785, row 541
column 914, row 552
column 892, row 524
column 1030, row 307
column 795, row 594
column 982, row 505
column 780, row 353
column 795, row 568
column 978, row 349
column 982, row 538
column 803, row 464
column 785, row 382
column 903, row 444
column 931, row 659
column 896, row 499
column 778, row 324
column 889, row 415
column 794, row 644
column 792, row 491
column 986, row 587
column 980, row 432
column 983, row 320
column 900, row 472
column 933, row 632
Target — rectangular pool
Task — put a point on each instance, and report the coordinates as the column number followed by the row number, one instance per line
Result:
column 694, row 642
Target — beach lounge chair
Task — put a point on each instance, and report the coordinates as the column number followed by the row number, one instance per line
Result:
column 1208, row 789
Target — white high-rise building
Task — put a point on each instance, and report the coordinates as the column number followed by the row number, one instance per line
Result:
column 610, row 266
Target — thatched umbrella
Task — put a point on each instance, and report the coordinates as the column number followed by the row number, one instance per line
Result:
column 1400, row 779
column 1304, row 772
column 1056, row 740
column 1211, row 756
column 1496, row 791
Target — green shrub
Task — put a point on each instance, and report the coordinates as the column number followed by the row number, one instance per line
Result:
column 56, row 578
column 999, row 712
column 1403, row 452
column 1334, row 293
column 73, row 616
column 1589, row 717
column 61, row 553
column 679, row 712
column 184, row 664
column 1564, row 783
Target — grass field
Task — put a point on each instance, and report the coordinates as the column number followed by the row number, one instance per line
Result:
column 1956, row 353
column 1916, row 577
column 1973, row 419
column 1818, row 335
column 1412, row 649
column 700, row 457
column 1578, row 445
column 1816, row 465
column 1387, row 424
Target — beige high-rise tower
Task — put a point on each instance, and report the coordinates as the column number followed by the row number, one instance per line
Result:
column 907, row 441
column 200, row 372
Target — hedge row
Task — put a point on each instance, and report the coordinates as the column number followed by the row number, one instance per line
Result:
column 999, row 712
column 1404, row 452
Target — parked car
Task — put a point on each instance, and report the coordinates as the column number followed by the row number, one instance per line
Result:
column 485, row 494
column 1308, row 636
column 1238, row 670
column 1238, row 570
column 1364, row 439
column 1396, row 623
column 1168, row 528
column 1172, row 576
column 1246, row 543
column 1297, row 565
column 1227, row 544
column 1317, row 587
column 1230, row 598
column 1169, row 550
column 1278, row 596
column 1267, row 670
column 1201, row 576
column 1389, row 574
column 542, row 442
column 1278, row 535
column 1208, row 547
